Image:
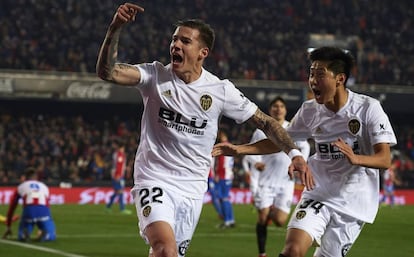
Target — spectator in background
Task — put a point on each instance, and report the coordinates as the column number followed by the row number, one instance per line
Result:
column 119, row 161
column 36, row 210
column 97, row 166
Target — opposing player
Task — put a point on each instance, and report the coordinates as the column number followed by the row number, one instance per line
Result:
column 352, row 137
column 212, row 190
column 274, row 194
column 118, row 171
column 183, row 104
column 4, row 218
column 388, row 181
column 36, row 211
column 223, row 170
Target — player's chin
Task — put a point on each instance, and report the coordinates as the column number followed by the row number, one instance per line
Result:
column 319, row 99
column 176, row 66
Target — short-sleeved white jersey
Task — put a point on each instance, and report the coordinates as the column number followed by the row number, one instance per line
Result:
column 248, row 163
column 33, row 193
column 275, row 172
column 362, row 123
column 179, row 126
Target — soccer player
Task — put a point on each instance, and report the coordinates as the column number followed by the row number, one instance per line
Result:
column 183, row 104
column 352, row 136
column 388, row 181
column 215, row 201
column 119, row 161
column 274, row 194
column 36, row 211
column 252, row 166
column 223, row 170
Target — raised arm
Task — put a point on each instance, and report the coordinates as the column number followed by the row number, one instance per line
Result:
column 106, row 66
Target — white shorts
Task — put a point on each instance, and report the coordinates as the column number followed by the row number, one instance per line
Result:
column 157, row 203
column 334, row 232
column 280, row 197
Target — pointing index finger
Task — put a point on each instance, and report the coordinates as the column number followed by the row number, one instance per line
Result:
column 134, row 8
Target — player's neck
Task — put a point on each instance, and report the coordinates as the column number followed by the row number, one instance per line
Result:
column 339, row 100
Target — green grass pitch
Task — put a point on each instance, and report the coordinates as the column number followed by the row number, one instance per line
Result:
column 88, row 231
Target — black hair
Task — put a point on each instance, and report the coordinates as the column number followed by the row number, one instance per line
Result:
column 207, row 34
column 29, row 172
column 277, row 99
column 339, row 60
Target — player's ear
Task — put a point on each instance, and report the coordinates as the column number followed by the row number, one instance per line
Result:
column 203, row 52
column 340, row 79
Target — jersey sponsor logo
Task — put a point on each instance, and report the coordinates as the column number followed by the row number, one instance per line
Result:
column 354, row 126
column 206, row 101
column 183, row 246
column 171, row 119
column 328, row 151
column 345, row 249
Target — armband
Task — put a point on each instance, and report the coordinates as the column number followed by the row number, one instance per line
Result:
column 293, row 153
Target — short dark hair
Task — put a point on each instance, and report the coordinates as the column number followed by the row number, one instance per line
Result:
column 339, row 60
column 207, row 34
column 30, row 172
column 277, row 99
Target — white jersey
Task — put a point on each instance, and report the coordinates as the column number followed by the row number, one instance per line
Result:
column 362, row 123
column 179, row 126
column 33, row 193
column 277, row 164
column 248, row 163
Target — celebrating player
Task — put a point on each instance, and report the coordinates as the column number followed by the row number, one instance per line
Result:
column 352, row 137
column 36, row 211
column 183, row 104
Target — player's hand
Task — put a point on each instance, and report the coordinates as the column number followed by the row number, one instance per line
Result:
column 126, row 13
column 347, row 151
column 305, row 174
column 7, row 233
column 260, row 166
column 226, row 149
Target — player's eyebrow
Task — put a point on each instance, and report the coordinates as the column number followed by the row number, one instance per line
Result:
column 318, row 68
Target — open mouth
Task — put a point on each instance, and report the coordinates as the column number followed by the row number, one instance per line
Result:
column 316, row 92
column 177, row 58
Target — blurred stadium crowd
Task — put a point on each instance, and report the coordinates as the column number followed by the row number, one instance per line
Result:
column 78, row 149
column 262, row 39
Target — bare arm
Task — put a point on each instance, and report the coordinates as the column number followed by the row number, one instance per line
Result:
column 381, row 159
column 106, row 66
column 274, row 131
column 278, row 140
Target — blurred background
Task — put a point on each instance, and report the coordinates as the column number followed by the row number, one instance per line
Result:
column 56, row 115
